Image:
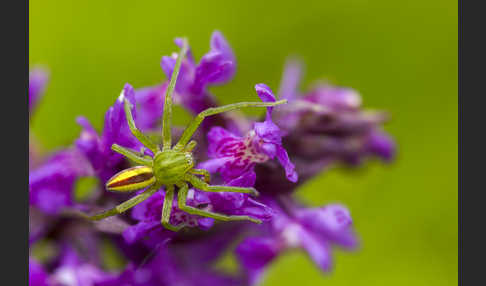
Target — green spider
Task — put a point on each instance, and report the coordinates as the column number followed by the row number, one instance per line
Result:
column 172, row 165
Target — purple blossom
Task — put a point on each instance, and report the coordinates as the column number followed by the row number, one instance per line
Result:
column 216, row 67
column 150, row 106
column 332, row 116
column 116, row 128
column 38, row 78
column 51, row 185
column 313, row 229
column 238, row 203
column 234, row 156
column 74, row 271
column 148, row 214
column 315, row 130
column 97, row 149
column 320, row 128
column 168, row 268
column 37, row 275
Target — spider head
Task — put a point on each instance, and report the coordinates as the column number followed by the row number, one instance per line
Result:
column 170, row 166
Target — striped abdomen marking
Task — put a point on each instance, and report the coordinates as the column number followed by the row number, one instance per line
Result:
column 131, row 179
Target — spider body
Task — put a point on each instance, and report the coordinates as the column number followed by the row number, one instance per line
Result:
column 171, row 166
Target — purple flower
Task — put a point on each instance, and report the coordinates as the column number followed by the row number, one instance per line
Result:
column 116, row 128
column 38, row 78
column 313, row 229
column 238, row 203
column 234, row 156
column 37, row 275
column 148, row 214
column 381, row 144
column 97, row 149
column 187, row 271
column 328, row 122
column 51, row 185
column 321, row 127
column 168, row 268
column 216, row 67
column 150, row 106
column 74, row 271
column 317, row 129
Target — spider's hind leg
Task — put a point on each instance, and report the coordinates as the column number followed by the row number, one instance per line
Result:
column 181, row 200
column 123, row 207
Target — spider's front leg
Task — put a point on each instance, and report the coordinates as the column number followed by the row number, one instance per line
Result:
column 167, row 208
column 202, row 172
column 203, row 186
column 136, row 132
column 181, row 200
column 123, row 207
column 132, row 155
column 192, row 127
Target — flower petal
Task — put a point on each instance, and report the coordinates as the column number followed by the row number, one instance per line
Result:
column 382, row 145
column 268, row 132
column 116, row 127
column 255, row 254
column 266, row 95
column 51, row 185
column 186, row 73
column 332, row 222
column 38, row 78
column 222, row 142
column 290, row 80
column 289, row 167
column 217, row 66
column 150, row 101
column 37, row 274
column 318, row 250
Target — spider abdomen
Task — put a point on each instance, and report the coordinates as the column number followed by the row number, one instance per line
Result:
column 131, row 179
column 170, row 166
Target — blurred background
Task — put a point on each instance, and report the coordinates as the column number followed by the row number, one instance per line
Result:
column 400, row 55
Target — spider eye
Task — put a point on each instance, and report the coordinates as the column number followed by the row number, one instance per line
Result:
column 131, row 179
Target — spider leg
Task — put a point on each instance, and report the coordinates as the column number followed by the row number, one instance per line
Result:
column 203, row 186
column 136, row 132
column 181, row 200
column 167, row 208
column 190, row 146
column 192, row 127
column 167, row 115
column 127, row 204
column 202, row 172
column 131, row 155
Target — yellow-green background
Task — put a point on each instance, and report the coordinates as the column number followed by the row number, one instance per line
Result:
column 401, row 56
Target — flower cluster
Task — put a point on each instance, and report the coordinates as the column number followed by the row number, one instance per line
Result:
column 289, row 145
